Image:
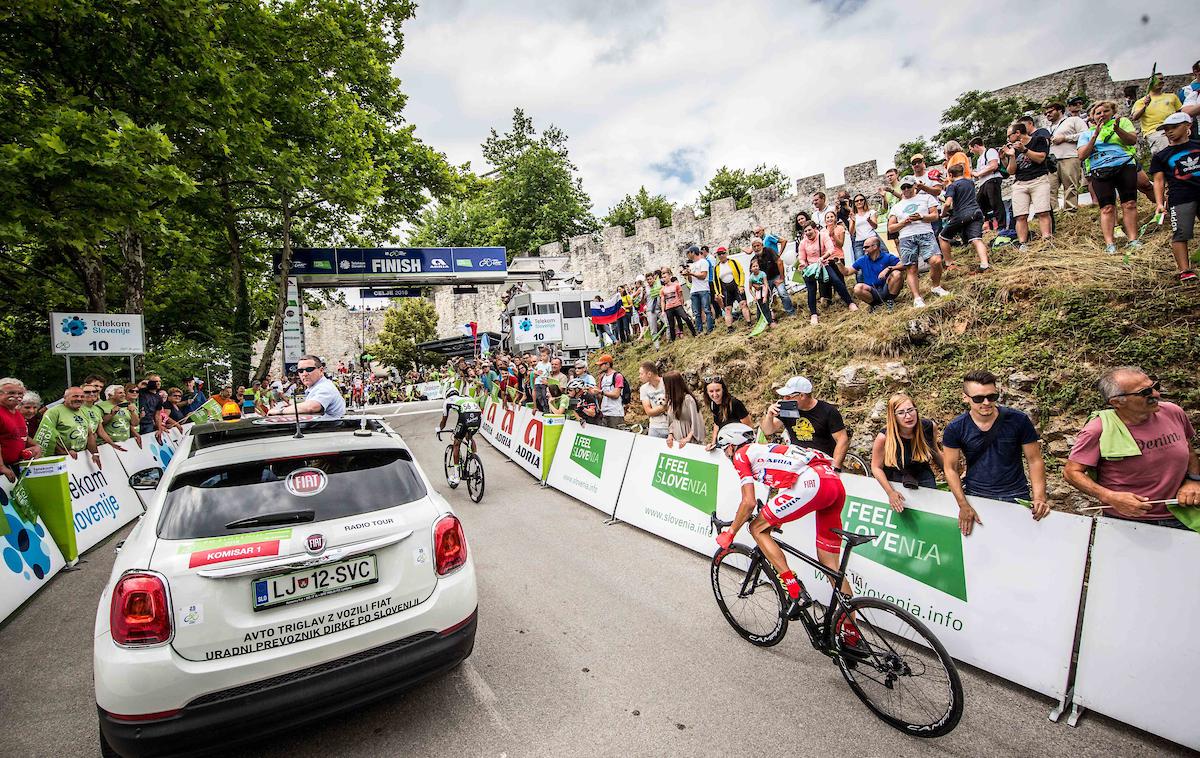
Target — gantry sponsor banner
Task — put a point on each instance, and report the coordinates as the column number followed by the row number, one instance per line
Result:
column 590, row 464
column 101, row 499
column 1004, row 599
column 673, row 492
column 28, row 555
column 1141, row 606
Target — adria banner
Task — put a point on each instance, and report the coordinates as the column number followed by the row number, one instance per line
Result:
column 590, row 464
column 534, row 441
column 1141, row 602
column 1004, row 599
column 673, row 492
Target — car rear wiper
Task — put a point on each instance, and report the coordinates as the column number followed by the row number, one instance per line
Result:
column 272, row 519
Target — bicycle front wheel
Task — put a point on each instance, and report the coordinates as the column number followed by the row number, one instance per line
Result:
column 448, row 464
column 897, row 667
column 749, row 595
column 474, row 477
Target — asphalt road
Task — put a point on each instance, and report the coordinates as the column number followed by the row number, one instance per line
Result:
column 593, row 640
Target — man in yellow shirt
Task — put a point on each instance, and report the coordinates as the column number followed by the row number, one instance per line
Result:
column 1152, row 110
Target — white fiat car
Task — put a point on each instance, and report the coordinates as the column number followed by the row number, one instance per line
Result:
column 275, row 580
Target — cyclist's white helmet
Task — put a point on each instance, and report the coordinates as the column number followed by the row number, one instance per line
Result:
column 735, row 434
column 451, row 393
column 576, row 384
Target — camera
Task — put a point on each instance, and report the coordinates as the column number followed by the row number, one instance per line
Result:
column 789, row 409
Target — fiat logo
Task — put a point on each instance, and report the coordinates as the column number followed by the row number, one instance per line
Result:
column 315, row 544
column 306, row 482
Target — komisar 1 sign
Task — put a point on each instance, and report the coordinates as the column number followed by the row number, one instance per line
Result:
column 75, row 333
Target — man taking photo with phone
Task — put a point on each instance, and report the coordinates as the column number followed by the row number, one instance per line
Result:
column 805, row 421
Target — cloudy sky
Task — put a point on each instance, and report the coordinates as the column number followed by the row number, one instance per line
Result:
column 663, row 92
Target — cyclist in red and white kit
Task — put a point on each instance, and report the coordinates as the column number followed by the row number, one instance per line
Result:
column 804, row 482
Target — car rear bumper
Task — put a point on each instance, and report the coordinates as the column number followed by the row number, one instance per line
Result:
column 291, row 699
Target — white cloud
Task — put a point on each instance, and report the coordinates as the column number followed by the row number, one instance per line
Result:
column 640, row 84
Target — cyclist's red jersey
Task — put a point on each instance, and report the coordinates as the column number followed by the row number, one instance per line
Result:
column 777, row 466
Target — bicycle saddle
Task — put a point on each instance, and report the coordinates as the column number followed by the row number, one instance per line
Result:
column 854, row 539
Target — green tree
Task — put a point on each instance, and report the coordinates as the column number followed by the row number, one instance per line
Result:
column 405, row 326
column 908, row 149
column 632, row 208
column 737, row 183
column 981, row 114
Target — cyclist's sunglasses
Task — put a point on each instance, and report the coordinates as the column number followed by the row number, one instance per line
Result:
column 1144, row 392
column 992, row 397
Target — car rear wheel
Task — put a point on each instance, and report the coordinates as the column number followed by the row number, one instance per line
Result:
column 106, row 750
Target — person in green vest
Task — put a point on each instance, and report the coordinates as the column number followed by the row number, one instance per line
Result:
column 92, row 387
column 118, row 421
column 65, row 429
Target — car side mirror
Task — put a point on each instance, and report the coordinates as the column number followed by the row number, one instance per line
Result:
column 147, row 479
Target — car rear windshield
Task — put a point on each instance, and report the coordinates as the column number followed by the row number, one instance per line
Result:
column 332, row 486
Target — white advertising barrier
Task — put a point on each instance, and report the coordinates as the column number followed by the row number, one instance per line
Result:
column 673, row 492
column 491, row 416
column 528, row 439
column 1138, row 623
column 590, row 464
column 150, row 455
column 1005, row 599
column 503, row 426
column 101, row 499
column 431, row 390
column 28, row 555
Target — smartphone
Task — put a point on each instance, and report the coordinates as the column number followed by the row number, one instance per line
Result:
column 789, row 409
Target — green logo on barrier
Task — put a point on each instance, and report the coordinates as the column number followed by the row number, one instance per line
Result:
column 923, row 546
column 686, row 480
column 588, row 452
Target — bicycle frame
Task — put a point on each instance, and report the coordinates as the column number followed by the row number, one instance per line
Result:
column 462, row 458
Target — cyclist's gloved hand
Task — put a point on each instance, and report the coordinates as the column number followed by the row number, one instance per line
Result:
column 725, row 538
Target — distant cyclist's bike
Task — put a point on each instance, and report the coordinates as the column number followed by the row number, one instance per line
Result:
column 895, row 666
column 470, row 467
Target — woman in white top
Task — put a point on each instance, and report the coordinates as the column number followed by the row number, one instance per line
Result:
column 863, row 225
column 684, row 422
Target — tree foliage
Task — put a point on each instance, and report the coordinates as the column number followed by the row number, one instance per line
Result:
column 908, row 149
column 633, row 208
column 981, row 114
column 533, row 196
column 737, row 183
column 405, row 326
column 153, row 161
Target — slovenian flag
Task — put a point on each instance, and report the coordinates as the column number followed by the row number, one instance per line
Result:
column 608, row 311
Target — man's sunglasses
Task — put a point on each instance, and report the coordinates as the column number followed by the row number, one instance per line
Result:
column 1144, row 392
column 991, row 397
column 306, row 369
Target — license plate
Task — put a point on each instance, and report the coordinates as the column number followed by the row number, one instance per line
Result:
column 309, row 583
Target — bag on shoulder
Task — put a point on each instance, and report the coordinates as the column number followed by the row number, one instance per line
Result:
column 626, row 392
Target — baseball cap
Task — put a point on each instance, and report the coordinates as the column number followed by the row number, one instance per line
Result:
column 1076, row 99
column 1178, row 117
column 908, row 181
column 917, row 157
column 692, row 249
column 722, row 251
column 796, row 385
column 771, row 242
column 604, row 358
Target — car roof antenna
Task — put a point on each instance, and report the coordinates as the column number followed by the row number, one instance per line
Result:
column 299, row 435
column 362, row 430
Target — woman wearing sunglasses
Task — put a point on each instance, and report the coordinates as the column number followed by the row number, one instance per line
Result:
column 863, row 224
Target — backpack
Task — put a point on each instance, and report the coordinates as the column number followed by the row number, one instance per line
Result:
column 626, row 392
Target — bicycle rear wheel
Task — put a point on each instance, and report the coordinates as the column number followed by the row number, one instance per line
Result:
column 898, row 668
column 749, row 595
column 474, row 476
column 448, row 464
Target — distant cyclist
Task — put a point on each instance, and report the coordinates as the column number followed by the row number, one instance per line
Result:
column 804, row 482
column 467, row 423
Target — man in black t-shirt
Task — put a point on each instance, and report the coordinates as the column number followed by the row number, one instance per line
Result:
column 1025, row 159
column 1176, row 172
column 811, row 423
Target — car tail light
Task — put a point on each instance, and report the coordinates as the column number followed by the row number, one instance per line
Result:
column 140, row 614
column 449, row 544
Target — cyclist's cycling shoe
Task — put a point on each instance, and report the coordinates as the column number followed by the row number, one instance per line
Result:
column 797, row 606
column 852, row 644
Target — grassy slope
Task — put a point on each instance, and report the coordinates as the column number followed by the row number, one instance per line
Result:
column 1057, row 316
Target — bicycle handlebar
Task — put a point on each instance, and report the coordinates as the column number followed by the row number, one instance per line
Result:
column 718, row 524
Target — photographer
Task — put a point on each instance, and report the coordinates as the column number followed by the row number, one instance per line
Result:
column 807, row 421
column 1025, row 160
column 582, row 402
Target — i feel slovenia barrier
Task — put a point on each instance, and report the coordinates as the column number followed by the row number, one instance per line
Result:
column 1005, row 599
column 589, row 464
column 28, row 555
column 1141, row 615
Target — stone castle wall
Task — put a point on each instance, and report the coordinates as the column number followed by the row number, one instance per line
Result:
column 337, row 335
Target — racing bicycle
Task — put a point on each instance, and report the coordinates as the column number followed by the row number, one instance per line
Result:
column 470, row 467
column 897, row 667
